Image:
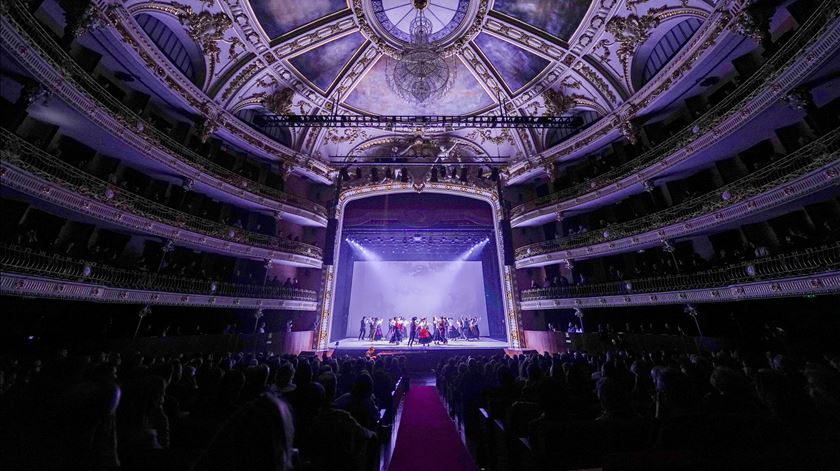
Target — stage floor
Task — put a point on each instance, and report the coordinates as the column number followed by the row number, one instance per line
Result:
column 483, row 343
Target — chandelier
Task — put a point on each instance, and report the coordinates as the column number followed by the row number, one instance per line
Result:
column 420, row 75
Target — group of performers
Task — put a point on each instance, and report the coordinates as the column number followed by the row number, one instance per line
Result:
column 440, row 330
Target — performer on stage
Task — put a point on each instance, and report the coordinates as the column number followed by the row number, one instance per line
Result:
column 453, row 329
column 362, row 328
column 371, row 328
column 391, row 325
column 425, row 336
column 412, row 331
column 378, row 334
column 396, row 331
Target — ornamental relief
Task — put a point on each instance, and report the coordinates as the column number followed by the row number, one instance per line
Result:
column 206, row 28
column 630, row 32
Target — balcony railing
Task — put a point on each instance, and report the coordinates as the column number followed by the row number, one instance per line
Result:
column 37, row 36
column 23, row 261
column 27, row 157
column 784, row 57
column 816, row 260
column 788, row 168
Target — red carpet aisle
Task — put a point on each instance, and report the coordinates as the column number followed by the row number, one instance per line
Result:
column 427, row 439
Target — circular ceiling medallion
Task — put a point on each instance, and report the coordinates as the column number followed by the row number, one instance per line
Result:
column 387, row 23
column 394, row 16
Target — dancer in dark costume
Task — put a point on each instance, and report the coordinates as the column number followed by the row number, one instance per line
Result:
column 441, row 327
column 362, row 328
column 396, row 335
column 391, row 324
column 453, row 329
column 378, row 334
column 372, row 327
column 412, row 331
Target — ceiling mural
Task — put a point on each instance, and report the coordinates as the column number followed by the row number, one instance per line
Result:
column 323, row 64
column 337, row 52
column 465, row 97
column 278, row 17
column 516, row 66
column 557, row 17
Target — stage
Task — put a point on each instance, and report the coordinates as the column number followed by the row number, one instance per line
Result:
column 419, row 358
column 380, row 345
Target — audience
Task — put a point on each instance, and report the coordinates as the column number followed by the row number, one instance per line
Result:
column 579, row 410
column 237, row 411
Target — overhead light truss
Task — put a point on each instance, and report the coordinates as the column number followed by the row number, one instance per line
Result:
column 392, row 122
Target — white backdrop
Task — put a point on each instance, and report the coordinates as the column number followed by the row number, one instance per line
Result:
column 415, row 288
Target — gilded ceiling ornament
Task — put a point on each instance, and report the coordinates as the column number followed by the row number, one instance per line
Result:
column 557, row 102
column 346, row 136
column 279, row 101
column 603, row 46
column 627, row 129
column 596, row 80
column 207, row 29
column 632, row 31
column 570, row 82
column 487, row 135
column 303, row 107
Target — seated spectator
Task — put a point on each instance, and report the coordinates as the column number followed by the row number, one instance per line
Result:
column 258, row 437
column 359, row 402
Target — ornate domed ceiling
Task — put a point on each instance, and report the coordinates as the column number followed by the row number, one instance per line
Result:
column 522, row 57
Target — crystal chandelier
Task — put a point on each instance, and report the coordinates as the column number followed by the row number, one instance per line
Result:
column 421, row 75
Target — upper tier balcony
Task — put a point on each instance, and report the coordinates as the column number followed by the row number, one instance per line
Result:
column 812, row 44
column 38, row 52
column 33, row 273
column 810, row 169
column 34, row 172
column 804, row 272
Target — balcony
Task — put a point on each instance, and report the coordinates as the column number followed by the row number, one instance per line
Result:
column 58, row 70
column 780, row 73
column 804, row 272
column 41, row 175
column 809, row 169
column 42, row 274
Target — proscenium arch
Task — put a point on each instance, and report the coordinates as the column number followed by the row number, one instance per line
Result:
column 511, row 306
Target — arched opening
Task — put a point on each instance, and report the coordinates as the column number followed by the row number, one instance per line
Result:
column 181, row 51
column 658, row 51
column 423, row 255
column 279, row 134
column 555, row 136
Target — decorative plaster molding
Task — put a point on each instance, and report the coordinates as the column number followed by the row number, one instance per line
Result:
column 818, row 284
column 129, row 33
column 815, row 181
column 134, row 133
column 721, row 121
column 700, row 46
column 111, row 211
column 22, row 285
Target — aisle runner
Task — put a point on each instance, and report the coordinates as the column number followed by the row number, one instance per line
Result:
column 427, row 439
